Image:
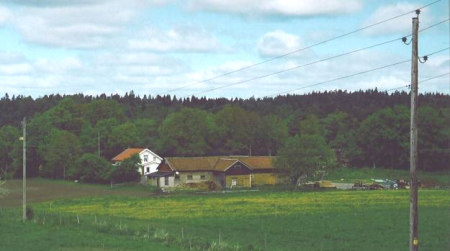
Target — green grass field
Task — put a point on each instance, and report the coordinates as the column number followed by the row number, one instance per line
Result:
column 329, row 220
column 95, row 217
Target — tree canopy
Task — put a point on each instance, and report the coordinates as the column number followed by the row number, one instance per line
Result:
column 364, row 128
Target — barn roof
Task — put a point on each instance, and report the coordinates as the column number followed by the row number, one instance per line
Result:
column 218, row 163
column 127, row 153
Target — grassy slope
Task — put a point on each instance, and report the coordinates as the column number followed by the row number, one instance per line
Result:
column 338, row 220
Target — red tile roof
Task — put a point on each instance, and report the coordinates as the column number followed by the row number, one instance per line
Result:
column 127, row 153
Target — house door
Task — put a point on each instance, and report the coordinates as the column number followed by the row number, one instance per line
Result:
column 233, row 182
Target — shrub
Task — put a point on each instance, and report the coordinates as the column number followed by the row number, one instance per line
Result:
column 90, row 168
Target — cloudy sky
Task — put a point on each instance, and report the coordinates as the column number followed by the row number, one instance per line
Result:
column 217, row 48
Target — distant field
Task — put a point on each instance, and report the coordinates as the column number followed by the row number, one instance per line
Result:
column 39, row 190
column 366, row 174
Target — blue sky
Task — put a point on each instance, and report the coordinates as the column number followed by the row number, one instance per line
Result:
column 172, row 47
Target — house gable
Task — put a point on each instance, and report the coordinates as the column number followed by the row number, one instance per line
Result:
column 149, row 159
column 165, row 168
column 151, row 156
column 238, row 168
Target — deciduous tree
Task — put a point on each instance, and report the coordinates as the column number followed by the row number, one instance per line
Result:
column 126, row 171
column 91, row 168
column 305, row 155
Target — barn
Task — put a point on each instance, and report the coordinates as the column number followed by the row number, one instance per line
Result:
column 223, row 171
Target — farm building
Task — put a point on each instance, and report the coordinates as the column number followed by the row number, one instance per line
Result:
column 223, row 171
column 149, row 160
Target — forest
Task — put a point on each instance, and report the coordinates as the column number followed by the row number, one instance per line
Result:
column 364, row 128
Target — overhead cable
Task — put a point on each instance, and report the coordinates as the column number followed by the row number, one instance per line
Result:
column 301, row 49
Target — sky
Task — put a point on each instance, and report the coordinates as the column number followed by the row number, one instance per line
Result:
column 218, row 48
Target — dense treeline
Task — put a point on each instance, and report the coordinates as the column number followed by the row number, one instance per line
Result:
column 365, row 128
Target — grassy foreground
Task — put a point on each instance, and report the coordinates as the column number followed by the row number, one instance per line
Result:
column 329, row 220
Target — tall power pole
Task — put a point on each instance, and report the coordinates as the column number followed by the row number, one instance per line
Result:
column 413, row 217
column 24, row 162
column 98, row 143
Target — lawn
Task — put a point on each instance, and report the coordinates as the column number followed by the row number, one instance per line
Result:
column 329, row 220
column 95, row 217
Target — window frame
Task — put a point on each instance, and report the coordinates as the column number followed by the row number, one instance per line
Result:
column 166, row 180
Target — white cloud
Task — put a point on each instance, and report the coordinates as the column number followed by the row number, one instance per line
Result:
column 132, row 64
column 77, row 2
column 15, row 69
column 277, row 43
column 5, row 15
column 278, row 7
column 66, row 65
column 187, row 38
column 14, row 64
column 401, row 25
column 9, row 57
column 81, row 26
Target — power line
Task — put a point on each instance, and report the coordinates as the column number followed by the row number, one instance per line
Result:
column 436, row 52
column 433, row 25
column 311, row 63
column 438, row 76
column 396, row 88
column 301, row 49
column 343, row 77
column 293, row 68
column 352, row 75
column 420, row 82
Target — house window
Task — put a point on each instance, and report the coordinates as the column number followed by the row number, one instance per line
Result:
column 203, row 177
column 233, row 182
column 148, row 169
column 166, row 181
column 189, row 177
column 145, row 158
column 154, row 158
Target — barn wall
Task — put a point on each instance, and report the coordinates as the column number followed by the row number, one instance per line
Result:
column 196, row 177
column 171, row 182
column 264, row 179
column 241, row 180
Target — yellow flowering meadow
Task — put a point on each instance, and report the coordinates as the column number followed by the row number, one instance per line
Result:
column 249, row 204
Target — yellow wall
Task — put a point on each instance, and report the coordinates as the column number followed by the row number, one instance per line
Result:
column 241, row 180
column 196, row 177
column 264, row 179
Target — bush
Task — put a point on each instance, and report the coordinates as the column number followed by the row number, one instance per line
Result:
column 126, row 170
column 91, row 168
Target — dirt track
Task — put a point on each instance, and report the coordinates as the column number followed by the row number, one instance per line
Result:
column 39, row 190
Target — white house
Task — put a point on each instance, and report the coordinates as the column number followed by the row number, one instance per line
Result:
column 149, row 160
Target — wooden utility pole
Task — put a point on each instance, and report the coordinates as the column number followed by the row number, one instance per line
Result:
column 98, row 143
column 413, row 217
column 24, row 163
